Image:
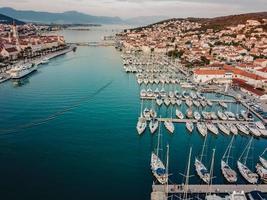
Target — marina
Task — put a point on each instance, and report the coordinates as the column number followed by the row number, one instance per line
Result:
column 178, row 100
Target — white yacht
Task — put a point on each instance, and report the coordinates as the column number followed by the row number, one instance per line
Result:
column 262, row 172
column 224, row 128
column 178, row 102
column 230, row 116
column 153, row 125
column 197, row 116
column 261, row 128
column 223, row 104
column 242, row 128
column 253, row 130
column 179, row 114
column 157, row 167
column 201, row 170
column 196, row 103
column 141, row 125
column 229, row 174
column 209, row 103
column 173, row 100
column 233, row 129
column 201, row 127
column 146, row 114
column 213, row 116
column 159, row 100
column 243, row 169
column 189, row 113
column 21, row 70
column 189, row 102
column 169, row 126
column 143, row 93
column 167, row 101
column 45, row 60
column 212, row 128
column 190, row 126
column 221, row 115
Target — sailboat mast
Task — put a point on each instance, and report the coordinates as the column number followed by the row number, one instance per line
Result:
column 264, row 152
column 202, row 152
column 249, row 144
column 187, row 174
column 141, row 109
column 229, row 149
column 167, row 170
column 211, row 169
column 158, row 138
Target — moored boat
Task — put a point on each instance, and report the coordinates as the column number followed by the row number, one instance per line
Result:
column 201, row 127
column 190, row 126
column 247, row 174
column 212, row 128
column 169, row 126
column 224, row 128
column 179, row 114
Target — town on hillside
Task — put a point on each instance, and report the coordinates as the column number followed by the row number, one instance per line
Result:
column 235, row 54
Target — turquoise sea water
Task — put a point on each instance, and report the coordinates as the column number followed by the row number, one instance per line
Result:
column 80, row 140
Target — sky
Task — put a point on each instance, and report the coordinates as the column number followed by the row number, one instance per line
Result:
column 135, row 8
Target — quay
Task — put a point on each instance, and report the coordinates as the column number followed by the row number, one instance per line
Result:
column 159, row 192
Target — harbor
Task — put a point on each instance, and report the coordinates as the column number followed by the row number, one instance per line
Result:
column 169, row 97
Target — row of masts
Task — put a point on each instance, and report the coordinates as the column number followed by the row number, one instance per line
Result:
column 161, row 172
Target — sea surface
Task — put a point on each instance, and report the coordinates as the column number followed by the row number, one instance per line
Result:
column 68, row 131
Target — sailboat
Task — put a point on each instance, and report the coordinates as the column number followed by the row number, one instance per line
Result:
column 159, row 100
column 224, row 128
column 212, row 128
column 201, row 170
column 228, row 173
column 262, row 172
column 141, row 124
column 153, row 125
column 263, row 160
column 190, row 126
column 243, row 169
column 157, row 167
column 179, row 114
column 223, row 104
column 169, row 125
column 197, row 116
column 201, row 127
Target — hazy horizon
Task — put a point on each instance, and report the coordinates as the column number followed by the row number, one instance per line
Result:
column 135, row 8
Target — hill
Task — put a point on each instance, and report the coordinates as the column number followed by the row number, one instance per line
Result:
column 69, row 17
column 231, row 20
column 8, row 20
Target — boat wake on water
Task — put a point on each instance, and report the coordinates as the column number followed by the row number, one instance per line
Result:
column 56, row 114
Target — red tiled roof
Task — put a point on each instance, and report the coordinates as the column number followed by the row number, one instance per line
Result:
column 248, row 87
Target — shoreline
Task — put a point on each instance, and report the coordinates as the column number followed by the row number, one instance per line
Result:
column 37, row 61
